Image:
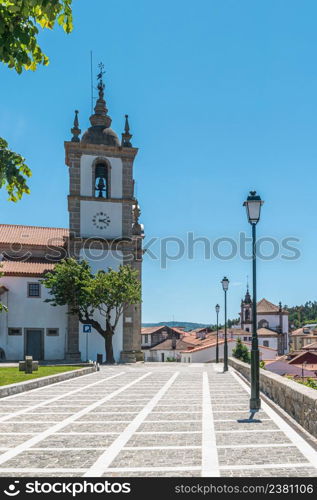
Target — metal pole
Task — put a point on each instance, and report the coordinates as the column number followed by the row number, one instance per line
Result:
column 255, row 402
column 225, row 355
column 217, row 347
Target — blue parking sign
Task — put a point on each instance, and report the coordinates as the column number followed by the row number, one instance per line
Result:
column 87, row 329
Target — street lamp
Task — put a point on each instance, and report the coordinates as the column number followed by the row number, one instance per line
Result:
column 225, row 286
column 253, row 206
column 217, row 347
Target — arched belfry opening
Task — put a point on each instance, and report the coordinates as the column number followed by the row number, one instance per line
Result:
column 101, row 181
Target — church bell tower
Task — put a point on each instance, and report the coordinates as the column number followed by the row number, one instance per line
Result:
column 104, row 221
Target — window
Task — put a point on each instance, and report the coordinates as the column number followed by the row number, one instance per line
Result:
column 263, row 324
column 245, row 338
column 266, row 343
column 146, row 339
column 52, row 332
column 101, row 181
column 14, row 331
column 34, row 290
column 250, row 338
column 247, row 329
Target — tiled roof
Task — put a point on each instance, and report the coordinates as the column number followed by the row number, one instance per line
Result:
column 309, row 347
column 28, row 268
column 262, row 332
column 205, row 346
column 167, row 345
column 266, row 332
column 297, row 358
column 150, row 329
column 265, row 306
column 32, row 235
column 284, row 368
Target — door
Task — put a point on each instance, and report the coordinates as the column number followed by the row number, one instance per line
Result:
column 162, row 356
column 34, row 344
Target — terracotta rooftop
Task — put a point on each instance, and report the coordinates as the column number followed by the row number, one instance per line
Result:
column 28, row 268
column 167, row 345
column 264, row 306
column 32, row 235
column 310, row 347
column 262, row 332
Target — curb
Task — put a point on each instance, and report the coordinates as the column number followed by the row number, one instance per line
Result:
column 12, row 389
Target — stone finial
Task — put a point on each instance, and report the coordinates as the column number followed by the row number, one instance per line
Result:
column 136, row 212
column 136, row 227
column 76, row 130
column 101, row 117
column 126, row 136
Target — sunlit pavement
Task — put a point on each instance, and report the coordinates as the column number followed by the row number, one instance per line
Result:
column 153, row 419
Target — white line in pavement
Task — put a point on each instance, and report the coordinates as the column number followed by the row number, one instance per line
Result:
column 269, row 445
column 172, row 447
column 308, row 451
column 209, row 448
column 169, row 432
column 103, row 462
column 56, row 398
column 264, row 466
column 249, row 430
column 47, row 470
column 42, row 435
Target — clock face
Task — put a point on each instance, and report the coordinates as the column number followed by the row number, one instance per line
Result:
column 101, row 220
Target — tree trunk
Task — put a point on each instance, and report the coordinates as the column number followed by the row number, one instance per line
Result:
column 109, row 349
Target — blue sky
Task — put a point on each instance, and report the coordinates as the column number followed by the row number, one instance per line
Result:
column 222, row 99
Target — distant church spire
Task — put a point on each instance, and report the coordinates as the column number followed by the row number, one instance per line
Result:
column 76, row 130
column 126, row 136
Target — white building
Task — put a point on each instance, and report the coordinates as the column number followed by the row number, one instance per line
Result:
column 272, row 323
column 207, row 353
column 103, row 229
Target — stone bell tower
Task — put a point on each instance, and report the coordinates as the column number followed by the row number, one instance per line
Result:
column 246, row 312
column 104, row 220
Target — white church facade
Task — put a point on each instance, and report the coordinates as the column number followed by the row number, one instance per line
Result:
column 272, row 324
column 103, row 229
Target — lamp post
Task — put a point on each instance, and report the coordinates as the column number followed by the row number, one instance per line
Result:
column 225, row 286
column 253, row 206
column 217, row 346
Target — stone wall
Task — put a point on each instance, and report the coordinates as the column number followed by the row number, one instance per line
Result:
column 299, row 401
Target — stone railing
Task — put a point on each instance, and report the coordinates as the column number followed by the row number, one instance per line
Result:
column 299, row 401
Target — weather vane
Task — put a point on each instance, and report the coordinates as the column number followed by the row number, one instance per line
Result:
column 101, row 85
column 101, row 67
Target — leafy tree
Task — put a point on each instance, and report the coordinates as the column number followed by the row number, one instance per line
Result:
column 13, row 172
column 241, row 352
column 19, row 28
column 107, row 293
column 304, row 314
column 20, row 21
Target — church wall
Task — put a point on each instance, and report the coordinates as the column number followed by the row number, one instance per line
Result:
column 91, row 209
column 25, row 312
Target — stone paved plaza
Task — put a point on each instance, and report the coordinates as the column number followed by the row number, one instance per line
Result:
column 148, row 420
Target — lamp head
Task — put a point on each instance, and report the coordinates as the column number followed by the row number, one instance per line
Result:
column 225, row 284
column 253, row 205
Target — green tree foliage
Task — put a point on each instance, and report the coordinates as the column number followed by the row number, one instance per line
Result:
column 20, row 24
column 20, row 21
column 304, row 314
column 13, row 172
column 72, row 283
column 240, row 351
